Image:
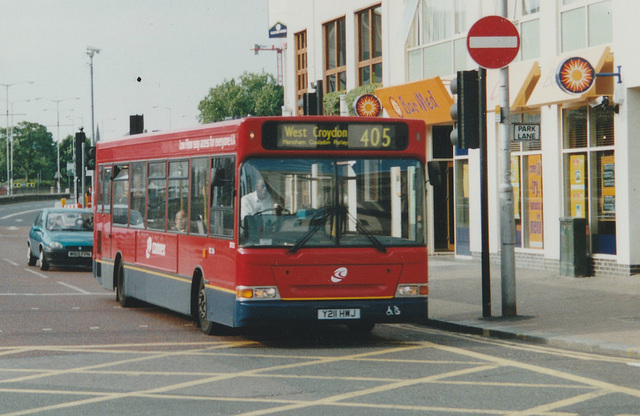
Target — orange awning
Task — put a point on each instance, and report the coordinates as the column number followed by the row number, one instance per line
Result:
column 547, row 91
column 426, row 100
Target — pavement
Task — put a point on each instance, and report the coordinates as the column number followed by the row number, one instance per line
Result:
column 591, row 314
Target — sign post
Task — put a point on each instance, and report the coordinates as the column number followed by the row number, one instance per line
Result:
column 493, row 42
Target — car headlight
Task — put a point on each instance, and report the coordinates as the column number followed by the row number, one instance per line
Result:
column 55, row 244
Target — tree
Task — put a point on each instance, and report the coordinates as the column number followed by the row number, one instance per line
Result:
column 34, row 151
column 254, row 94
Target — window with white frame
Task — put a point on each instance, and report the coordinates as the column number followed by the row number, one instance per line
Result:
column 527, row 20
column 585, row 23
column 437, row 43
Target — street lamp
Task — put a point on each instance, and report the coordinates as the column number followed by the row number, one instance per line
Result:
column 13, row 113
column 92, row 51
column 166, row 108
column 58, row 132
column 9, row 173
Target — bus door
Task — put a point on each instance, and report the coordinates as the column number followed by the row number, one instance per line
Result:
column 103, row 212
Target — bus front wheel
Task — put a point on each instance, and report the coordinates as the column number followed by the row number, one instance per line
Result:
column 121, row 296
column 207, row 326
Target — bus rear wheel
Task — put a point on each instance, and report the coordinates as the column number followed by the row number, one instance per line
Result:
column 207, row 326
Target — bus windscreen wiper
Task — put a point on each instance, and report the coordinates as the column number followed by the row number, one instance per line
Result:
column 360, row 227
column 319, row 223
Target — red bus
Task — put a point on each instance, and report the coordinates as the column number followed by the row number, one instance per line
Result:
column 267, row 219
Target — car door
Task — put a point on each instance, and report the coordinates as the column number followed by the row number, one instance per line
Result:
column 36, row 232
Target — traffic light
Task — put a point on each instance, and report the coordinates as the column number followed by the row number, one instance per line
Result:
column 80, row 139
column 309, row 104
column 466, row 111
column 91, row 158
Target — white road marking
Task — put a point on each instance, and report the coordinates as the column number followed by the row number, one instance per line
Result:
column 44, row 276
column 19, row 213
column 84, row 292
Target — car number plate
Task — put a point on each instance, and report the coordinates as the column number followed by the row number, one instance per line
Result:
column 79, row 254
column 324, row 314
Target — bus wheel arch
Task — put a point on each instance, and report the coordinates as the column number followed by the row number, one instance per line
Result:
column 120, row 283
column 200, row 305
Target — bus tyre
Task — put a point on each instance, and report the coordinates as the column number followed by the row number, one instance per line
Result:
column 207, row 327
column 32, row 260
column 121, row 297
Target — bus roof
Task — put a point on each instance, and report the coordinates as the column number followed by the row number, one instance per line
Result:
column 229, row 136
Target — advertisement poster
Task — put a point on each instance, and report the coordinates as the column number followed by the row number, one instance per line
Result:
column 515, row 183
column 577, row 180
column 534, row 201
column 608, row 175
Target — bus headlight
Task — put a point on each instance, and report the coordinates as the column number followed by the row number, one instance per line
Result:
column 412, row 290
column 257, row 293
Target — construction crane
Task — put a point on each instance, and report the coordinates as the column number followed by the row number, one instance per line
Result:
column 257, row 48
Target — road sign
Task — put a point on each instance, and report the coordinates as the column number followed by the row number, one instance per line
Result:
column 493, row 42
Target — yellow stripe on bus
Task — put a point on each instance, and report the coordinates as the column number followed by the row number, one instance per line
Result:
column 168, row 276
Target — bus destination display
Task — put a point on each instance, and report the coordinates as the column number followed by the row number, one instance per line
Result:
column 335, row 136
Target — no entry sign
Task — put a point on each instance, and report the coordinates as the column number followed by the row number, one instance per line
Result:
column 493, row 42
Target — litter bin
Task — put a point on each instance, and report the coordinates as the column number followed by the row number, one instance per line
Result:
column 573, row 246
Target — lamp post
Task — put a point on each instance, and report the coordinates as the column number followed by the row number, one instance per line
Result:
column 92, row 51
column 9, row 172
column 166, row 108
column 13, row 113
column 58, row 132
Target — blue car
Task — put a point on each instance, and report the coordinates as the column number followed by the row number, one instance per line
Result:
column 61, row 237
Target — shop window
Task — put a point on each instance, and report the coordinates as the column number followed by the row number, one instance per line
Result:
column 369, row 46
column 463, row 242
column 335, row 72
column 526, row 180
column 589, row 174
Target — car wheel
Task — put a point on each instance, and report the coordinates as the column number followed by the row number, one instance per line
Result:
column 44, row 266
column 121, row 296
column 207, row 326
column 30, row 257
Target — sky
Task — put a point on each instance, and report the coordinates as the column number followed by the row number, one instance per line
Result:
column 158, row 58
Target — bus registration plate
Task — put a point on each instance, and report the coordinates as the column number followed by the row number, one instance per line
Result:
column 324, row 314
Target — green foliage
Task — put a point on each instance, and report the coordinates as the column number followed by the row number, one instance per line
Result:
column 34, row 151
column 332, row 99
column 253, row 94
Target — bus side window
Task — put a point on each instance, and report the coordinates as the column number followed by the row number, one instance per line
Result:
column 138, row 194
column 157, row 194
column 222, row 192
column 199, row 196
column 121, row 196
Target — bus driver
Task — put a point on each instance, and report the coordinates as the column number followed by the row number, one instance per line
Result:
column 257, row 201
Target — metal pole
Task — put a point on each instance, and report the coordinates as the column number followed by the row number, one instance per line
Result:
column 9, row 187
column 484, row 195
column 58, row 144
column 507, row 225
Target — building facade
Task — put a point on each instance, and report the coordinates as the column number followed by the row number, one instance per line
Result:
column 581, row 164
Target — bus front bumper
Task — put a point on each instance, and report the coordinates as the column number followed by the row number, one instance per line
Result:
column 396, row 310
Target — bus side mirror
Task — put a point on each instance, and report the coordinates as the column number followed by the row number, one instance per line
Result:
column 434, row 170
